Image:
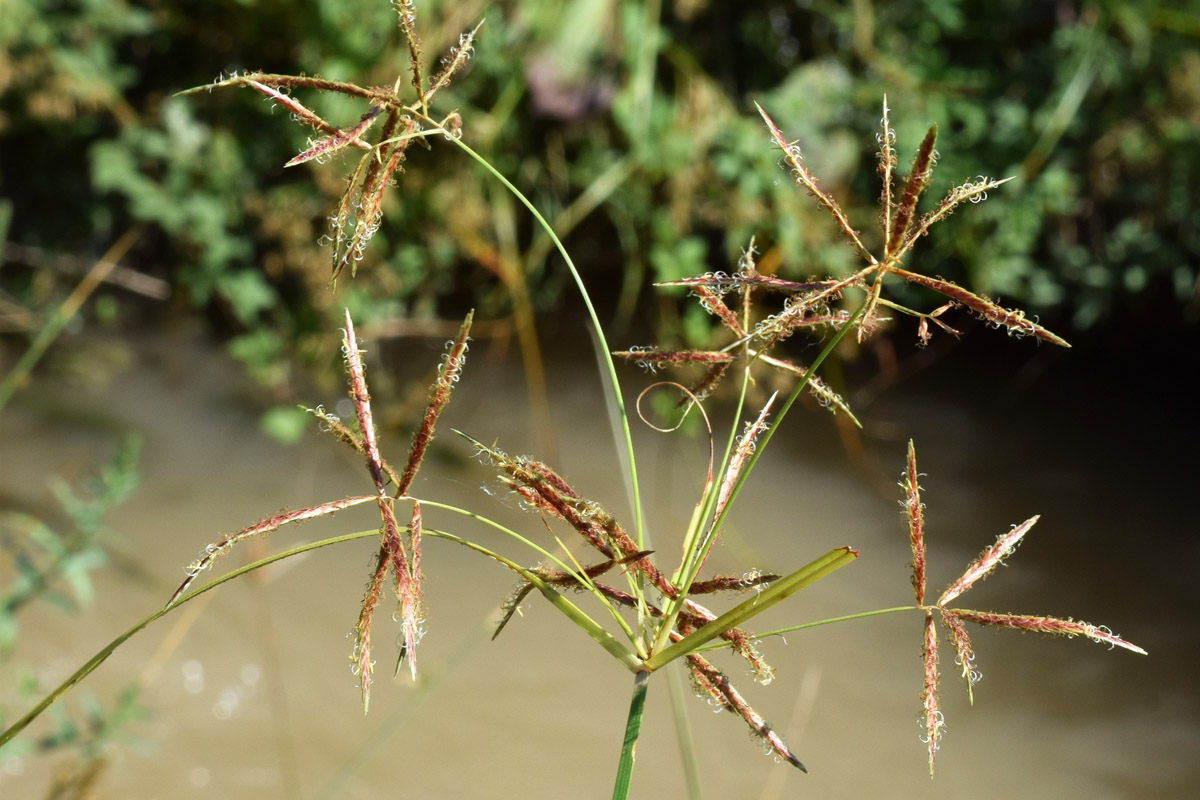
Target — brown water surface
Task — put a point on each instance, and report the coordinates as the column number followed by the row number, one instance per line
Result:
column 251, row 694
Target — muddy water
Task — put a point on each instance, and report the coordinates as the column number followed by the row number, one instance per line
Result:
column 251, row 696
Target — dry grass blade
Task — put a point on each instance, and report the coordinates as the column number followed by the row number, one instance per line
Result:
column 448, row 374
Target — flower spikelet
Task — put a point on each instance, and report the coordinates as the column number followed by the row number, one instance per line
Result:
column 361, row 662
column 933, row 725
column 987, row 561
column 914, row 514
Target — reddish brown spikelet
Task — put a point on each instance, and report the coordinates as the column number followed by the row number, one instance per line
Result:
column 964, row 655
column 360, row 659
column 405, row 10
column 914, row 514
column 653, row 356
column 459, row 56
column 340, row 221
column 706, row 383
column 331, row 424
column 1013, row 320
column 408, row 576
column 795, row 160
column 987, row 561
column 353, row 231
column 713, row 303
column 448, row 374
column 820, row 390
column 362, row 404
column 214, row 551
column 305, row 82
column 716, row 684
column 887, row 163
column 302, row 112
column 795, row 313
column 331, row 144
column 723, row 283
column 741, row 455
column 870, row 318
column 932, row 723
column 732, row 583
column 370, row 203
column 401, row 573
column 914, row 186
column 1049, row 625
column 972, row 191
column 550, row 494
column 292, row 82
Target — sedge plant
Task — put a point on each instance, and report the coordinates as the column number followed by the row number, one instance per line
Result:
column 642, row 612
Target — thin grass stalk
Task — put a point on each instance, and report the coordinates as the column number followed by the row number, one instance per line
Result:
column 597, row 330
column 605, row 356
column 678, row 695
column 690, row 558
column 815, row 624
column 633, row 729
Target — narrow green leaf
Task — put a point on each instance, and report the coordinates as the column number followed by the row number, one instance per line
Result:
column 633, row 729
column 736, row 616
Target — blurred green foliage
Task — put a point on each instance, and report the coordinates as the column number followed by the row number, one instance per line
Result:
column 54, row 564
column 632, row 123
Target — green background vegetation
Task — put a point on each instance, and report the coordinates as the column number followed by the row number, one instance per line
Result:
column 632, row 123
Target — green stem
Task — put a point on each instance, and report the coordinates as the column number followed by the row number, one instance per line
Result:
column 817, row 624
column 604, row 351
column 633, row 728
